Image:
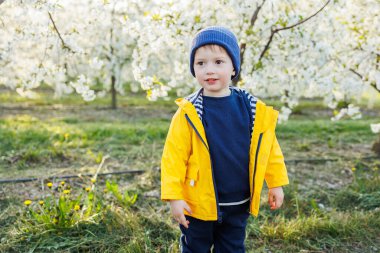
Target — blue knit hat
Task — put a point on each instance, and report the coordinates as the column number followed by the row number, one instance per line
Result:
column 220, row 36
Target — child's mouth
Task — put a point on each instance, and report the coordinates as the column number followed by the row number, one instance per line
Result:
column 211, row 80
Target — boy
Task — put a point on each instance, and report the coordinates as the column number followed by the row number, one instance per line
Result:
column 220, row 147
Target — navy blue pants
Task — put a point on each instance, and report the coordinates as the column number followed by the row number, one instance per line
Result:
column 227, row 236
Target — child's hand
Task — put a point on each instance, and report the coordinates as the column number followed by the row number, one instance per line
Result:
column 177, row 207
column 275, row 197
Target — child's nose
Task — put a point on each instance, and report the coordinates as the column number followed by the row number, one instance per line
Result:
column 210, row 69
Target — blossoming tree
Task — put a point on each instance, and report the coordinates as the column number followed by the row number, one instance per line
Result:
column 290, row 49
column 83, row 46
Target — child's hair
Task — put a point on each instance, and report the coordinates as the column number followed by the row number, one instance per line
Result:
column 221, row 36
column 213, row 47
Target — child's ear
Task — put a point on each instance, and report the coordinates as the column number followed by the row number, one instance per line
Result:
column 233, row 72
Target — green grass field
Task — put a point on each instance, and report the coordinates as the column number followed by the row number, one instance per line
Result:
column 331, row 205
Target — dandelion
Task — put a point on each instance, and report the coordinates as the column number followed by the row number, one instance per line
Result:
column 41, row 202
column 353, row 169
column 66, row 191
column 93, row 180
column 76, row 207
column 50, row 185
column 62, row 183
column 66, row 135
column 87, row 189
column 27, row 202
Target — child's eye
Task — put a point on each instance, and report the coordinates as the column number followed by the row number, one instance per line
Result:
column 200, row 63
column 219, row 61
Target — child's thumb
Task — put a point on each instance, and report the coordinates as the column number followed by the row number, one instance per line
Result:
column 187, row 208
column 271, row 199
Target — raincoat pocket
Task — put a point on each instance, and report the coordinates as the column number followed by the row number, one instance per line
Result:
column 190, row 184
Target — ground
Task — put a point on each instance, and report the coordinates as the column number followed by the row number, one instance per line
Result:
column 331, row 205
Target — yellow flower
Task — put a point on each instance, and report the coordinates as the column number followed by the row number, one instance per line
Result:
column 93, row 180
column 148, row 94
column 353, row 168
column 66, row 135
column 66, row 191
column 76, row 207
column 50, row 184
column 27, row 202
column 62, row 183
column 41, row 202
column 105, row 190
column 87, row 189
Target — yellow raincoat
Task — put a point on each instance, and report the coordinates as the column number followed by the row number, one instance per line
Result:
column 186, row 169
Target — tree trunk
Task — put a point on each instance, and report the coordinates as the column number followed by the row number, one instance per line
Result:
column 113, row 92
column 113, row 78
column 238, row 78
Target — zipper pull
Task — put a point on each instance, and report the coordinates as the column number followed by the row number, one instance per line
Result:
column 192, row 182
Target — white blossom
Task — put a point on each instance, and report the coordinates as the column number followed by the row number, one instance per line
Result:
column 351, row 111
column 375, row 128
column 146, row 43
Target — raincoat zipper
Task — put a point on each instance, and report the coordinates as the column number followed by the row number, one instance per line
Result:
column 212, row 169
column 254, row 168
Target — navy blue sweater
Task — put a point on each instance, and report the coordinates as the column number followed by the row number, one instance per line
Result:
column 227, row 124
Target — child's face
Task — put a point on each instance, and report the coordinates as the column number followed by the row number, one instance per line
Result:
column 213, row 69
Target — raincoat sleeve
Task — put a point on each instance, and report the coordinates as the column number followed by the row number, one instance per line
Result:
column 276, row 174
column 175, row 157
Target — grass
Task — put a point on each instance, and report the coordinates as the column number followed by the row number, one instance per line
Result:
column 330, row 232
column 40, row 139
column 117, row 232
column 27, row 141
column 46, row 98
column 330, row 206
column 300, row 225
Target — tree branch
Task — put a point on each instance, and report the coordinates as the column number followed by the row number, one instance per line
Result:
column 356, row 73
column 244, row 45
column 361, row 77
column 274, row 31
column 256, row 13
column 64, row 45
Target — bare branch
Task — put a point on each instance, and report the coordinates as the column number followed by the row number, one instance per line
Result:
column 64, row 45
column 274, row 31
